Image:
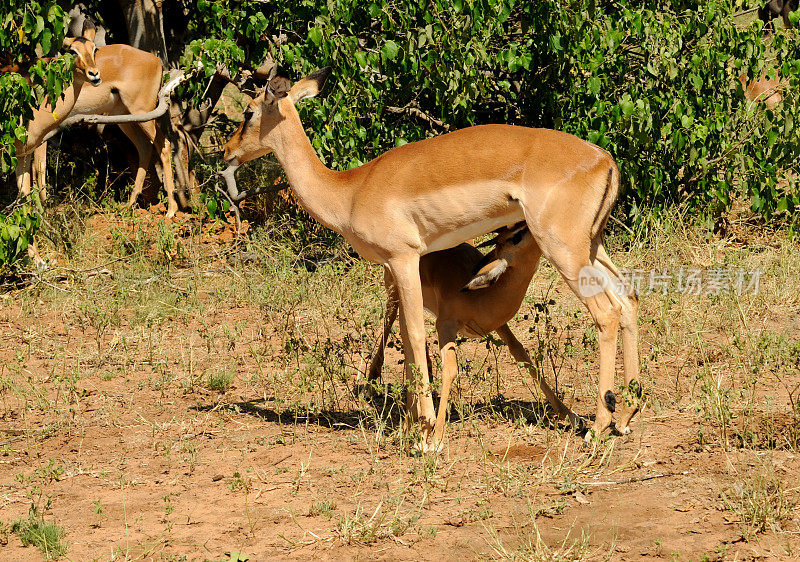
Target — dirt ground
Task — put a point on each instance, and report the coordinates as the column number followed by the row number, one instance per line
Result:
column 163, row 398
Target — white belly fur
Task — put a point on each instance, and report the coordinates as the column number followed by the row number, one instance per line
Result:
column 470, row 231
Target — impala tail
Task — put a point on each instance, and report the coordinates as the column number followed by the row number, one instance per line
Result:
column 607, row 202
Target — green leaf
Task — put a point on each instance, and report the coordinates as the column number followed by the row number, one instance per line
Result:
column 594, row 85
column 627, row 107
column 315, row 34
column 390, row 50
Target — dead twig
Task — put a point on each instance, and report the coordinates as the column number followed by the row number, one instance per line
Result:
column 632, row 479
column 414, row 111
column 163, row 104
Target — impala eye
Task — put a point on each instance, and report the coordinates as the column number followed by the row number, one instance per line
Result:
column 517, row 238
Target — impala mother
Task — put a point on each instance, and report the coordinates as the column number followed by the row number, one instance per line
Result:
column 434, row 194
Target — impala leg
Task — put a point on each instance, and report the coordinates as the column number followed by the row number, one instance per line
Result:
column 447, row 347
column 632, row 393
column 570, row 259
column 419, row 402
column 606, row 315
column 145, row 149
column 39, row 169
column 376, row 364
column 164, row 148
column 521, row 356
column 23, row 173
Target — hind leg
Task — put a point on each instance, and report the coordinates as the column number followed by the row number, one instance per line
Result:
column 164, row 148
column 572, row 256
column 632, row 392
column 146, row 136
column 145, row 149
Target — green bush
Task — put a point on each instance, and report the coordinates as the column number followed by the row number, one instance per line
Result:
column 656, row 84
column 17, row 230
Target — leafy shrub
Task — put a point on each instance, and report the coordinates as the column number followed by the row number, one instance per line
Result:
column 655, row 83
column 17, row 230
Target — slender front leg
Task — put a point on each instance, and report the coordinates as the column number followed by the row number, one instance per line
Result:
column 24, row 174
column 376, row 364
column 447, row 347
column 521, row 356
column 419, row 403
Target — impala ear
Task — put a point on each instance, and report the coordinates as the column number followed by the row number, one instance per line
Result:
column 309, row 86
column 277, row 88
column 68, row 41
column 89, row 30
column 487, row 275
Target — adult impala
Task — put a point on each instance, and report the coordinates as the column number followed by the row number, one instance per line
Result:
column 434, row 194
column 123, row 81
column 473, row 294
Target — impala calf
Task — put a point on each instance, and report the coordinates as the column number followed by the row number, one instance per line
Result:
column 434, row 194
column 473, row 294
column 124, row 81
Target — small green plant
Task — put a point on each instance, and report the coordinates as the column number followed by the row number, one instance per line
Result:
column 322, row 507
column 715, row 406
column 759, row 498
column 168, row 246
column 238, row 482
column 219, row 381
column 17, row 230
column 35, row 531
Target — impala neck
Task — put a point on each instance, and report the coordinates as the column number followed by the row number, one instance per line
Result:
column 319, row 190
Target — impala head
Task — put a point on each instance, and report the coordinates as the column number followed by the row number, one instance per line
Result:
column 261, row 126
column 83, row 50
column 509, row 243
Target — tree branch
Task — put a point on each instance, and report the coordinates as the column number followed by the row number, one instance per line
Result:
column 163, row 104
column 419, row 114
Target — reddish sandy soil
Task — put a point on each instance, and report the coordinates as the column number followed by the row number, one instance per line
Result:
column 139, row 459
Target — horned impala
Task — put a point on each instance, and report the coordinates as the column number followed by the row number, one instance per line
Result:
column 434, row 194
column 123, row 81
column 473, row 294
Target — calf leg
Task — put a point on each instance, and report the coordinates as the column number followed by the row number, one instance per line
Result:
column 518, row 352
column 447, row 331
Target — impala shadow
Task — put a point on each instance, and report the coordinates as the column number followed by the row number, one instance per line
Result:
column 385, row 413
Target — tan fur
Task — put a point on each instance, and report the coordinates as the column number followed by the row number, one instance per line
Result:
column 434, row 194
column 131, row 80
column 476, row 313
column 762, row 90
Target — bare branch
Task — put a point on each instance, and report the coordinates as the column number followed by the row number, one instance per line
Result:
column 259, row 190
column 163, row 104
column 419, row 114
